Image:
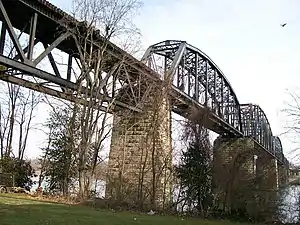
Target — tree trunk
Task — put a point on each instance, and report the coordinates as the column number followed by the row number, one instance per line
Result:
column 81, row 184
column 10, row 131
column 153, row 175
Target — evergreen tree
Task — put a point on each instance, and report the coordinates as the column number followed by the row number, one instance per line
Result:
column 60, row 156
column 20, row 169
column 194, row 171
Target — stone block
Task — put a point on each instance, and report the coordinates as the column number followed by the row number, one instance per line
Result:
column 244, row 174
column 138, row 154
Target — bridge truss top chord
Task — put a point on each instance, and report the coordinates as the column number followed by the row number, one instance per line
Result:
column 196, row 78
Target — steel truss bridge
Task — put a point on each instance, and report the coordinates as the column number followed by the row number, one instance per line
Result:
column 197, row 80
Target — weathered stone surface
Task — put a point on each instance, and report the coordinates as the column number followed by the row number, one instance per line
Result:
column 266, row 174
column 140, row 154
column 244, row 174
column 233, row 170
column 283, row 175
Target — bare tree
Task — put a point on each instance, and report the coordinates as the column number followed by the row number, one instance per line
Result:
column 17, row 111
column 17, row 121
column 291, row 113
column 28, row 104
column 96, row 80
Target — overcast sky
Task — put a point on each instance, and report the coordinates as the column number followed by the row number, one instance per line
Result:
column 244, row 38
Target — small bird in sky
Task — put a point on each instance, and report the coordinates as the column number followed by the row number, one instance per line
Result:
column 283, row 24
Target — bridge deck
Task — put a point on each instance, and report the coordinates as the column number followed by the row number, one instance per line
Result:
column 51, row 18
column 47, row 31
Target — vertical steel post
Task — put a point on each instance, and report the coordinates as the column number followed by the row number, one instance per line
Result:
column 215, row 93
column 2, row 38
column 206, row 83
column 222, row 97
column 33, row 24
column 69, row 67
column 196, row 78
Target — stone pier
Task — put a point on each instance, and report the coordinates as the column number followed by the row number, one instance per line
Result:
column 244, row 175
column 140, row 156
column 267, row 176
column 233, row 171
column 283, row 175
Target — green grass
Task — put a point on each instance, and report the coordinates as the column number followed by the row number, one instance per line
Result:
column 15, row 210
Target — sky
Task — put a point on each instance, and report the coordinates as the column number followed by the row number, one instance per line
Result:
column 244, row 38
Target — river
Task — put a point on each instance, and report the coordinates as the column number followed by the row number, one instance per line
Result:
column 290, row 204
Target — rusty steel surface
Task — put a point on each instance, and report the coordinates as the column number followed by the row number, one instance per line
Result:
column 196, row 79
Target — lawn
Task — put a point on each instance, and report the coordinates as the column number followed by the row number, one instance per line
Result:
column 15, row 210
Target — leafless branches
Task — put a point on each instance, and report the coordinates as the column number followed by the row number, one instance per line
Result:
column 17, row 111
column 97, row 76
column 291, row 114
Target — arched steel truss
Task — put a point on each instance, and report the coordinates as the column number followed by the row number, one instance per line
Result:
column 195, row 74
column 255, row 124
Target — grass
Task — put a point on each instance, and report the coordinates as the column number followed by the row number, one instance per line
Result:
column 16, row 210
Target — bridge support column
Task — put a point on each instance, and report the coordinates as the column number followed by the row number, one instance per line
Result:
column 267, row 185
column 233, row 171
column 267, row 176
column 140, row 156
column 282, row 175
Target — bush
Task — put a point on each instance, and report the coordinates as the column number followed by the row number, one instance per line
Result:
column 21, row 170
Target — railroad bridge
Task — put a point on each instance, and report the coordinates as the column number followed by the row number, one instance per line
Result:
column 195, row 82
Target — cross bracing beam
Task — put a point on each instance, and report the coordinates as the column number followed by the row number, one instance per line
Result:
column 194, row 66
column 32, row 71
column 197, row 75
column 36, row 87
column 44, row 28
column 199, row 81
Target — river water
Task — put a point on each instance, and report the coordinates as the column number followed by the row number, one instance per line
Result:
column 290, row 204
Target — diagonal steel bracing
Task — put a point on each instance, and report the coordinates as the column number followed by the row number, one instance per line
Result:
column 51, row 47
column 196, row 79
column 10, row 29
column 195, row 75
column 24, row 62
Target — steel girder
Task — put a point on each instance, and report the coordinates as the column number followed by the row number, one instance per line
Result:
column 255, row 124
column 195, row 74
column 277, row 148
column 46, row 24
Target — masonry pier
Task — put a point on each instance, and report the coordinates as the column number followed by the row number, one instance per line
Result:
column 243, row 172
column 140, row 156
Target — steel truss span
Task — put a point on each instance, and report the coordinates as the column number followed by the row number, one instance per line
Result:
column 255, row 124
column 197, row 76
column 196, row 79
column 50, row 29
